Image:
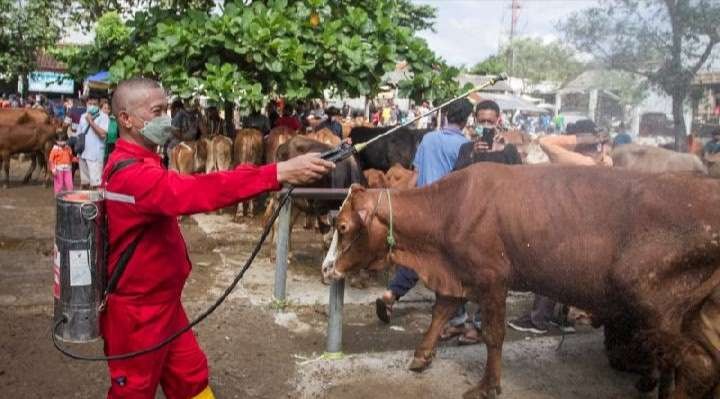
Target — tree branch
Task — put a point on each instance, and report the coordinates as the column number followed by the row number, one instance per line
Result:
column 706, row 54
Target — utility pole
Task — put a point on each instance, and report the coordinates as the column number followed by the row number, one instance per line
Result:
column 513, row 26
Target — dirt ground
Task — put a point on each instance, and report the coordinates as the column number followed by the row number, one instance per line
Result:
column 254, row 350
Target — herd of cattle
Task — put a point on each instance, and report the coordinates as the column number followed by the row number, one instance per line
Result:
column 637, row 245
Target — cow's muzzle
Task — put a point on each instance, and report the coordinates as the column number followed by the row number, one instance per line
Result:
column 328, row 264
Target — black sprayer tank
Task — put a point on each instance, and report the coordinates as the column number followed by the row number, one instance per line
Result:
column 79, row 264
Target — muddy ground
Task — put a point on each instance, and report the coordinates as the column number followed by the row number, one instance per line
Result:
column 256, row 350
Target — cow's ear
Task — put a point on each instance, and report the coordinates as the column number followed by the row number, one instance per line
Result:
column 363, row 215
column 356, row 187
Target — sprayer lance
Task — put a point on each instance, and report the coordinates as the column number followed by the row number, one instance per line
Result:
column 345, row 150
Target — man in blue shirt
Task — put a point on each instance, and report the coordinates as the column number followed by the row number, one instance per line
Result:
column 713, row 146
column 622, row 137
column 435, row 157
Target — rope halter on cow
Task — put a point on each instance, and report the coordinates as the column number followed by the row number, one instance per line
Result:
column 391, row 233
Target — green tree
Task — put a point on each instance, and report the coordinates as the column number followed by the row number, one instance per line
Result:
column 667, row 42
column 26, row 27
column 245, row 52
column 491, row 65
column 534, row 60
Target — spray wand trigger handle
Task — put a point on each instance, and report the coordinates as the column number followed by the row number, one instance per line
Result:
column 339, row 153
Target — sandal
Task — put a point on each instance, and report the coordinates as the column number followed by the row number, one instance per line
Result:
column 450, row 332
column 471, row 337
column 383, row 310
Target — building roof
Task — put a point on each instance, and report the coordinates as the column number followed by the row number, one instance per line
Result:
column 594, row 79
column 46, row 62
column 707, row 78
column 507, row 102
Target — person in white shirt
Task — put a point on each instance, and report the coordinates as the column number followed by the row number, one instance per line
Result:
column 91, row 159
column 423, row 122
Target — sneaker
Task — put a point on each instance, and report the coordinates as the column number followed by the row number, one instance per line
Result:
column 524, row 324
column 563, row 324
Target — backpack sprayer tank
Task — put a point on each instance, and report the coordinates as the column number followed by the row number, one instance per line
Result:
column 79, row 264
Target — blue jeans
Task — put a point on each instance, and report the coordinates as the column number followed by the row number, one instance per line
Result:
column 402, row 282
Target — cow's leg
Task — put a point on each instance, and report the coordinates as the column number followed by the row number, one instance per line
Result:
column 697, row 373
column 45, row 170
column 626, row 350
column 443, row 310
column 492, row 308
column 5, row 160
column 696, row 376
column 293, row 219
column 31, row 169
column 238, row 211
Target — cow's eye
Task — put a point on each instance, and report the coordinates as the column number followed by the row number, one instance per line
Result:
column 342, row 227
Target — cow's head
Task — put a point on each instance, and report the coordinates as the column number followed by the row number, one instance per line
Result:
column 360, row 240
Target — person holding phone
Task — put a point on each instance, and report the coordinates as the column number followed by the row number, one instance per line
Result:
column 487, row 145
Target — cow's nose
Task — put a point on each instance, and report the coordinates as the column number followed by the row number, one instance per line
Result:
column 332, row 274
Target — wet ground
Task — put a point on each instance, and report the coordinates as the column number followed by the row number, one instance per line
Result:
column 256, row 350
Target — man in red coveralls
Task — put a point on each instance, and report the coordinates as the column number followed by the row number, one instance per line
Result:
column 145, row 307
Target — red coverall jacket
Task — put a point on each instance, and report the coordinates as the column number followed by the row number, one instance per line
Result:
column 145, row 307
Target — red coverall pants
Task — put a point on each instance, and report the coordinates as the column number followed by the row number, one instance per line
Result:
column 180, row 368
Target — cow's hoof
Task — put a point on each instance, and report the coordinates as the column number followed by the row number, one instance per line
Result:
column 419, row 365
column 480, row 392
column 646, row 384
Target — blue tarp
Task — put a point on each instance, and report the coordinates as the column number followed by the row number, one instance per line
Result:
column 102, row 76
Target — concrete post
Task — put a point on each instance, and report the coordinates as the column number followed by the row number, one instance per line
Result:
column 335, row 319
column 593, row 105
column 558, row 103
column 281, row 254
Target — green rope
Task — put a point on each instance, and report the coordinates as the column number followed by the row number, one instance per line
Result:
column 391, row 232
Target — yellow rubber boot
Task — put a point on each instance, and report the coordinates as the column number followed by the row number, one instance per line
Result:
column 206, row 393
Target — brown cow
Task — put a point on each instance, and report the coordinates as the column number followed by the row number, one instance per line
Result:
column 189, row 157
column 375, row 178
column 29, row 137
column 401, row 178
column 275, row 139
column 247, row 149
column 219, row 153
column 638, row 256
column 21, row 116
column 396, row 177
column 325, row 136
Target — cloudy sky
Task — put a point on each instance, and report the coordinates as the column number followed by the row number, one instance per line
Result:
column 467, row 31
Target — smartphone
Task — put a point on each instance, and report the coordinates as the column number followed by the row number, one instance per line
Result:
column 488, row 136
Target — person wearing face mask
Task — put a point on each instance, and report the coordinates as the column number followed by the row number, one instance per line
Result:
column 97, row 120
column 487, row 145
column 60, row 163
column 144, row 236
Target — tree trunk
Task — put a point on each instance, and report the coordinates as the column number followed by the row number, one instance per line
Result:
column 229, row 119
column 678, row 98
